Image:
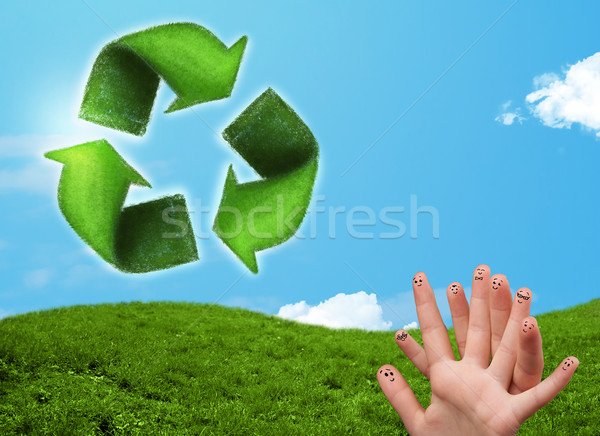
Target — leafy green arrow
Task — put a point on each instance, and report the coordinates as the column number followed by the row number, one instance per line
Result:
column 140, row 238
column 122, row 86
column 273, row 139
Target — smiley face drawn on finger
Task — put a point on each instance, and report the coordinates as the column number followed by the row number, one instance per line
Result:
column 388, row 374
column 402, row 336
column 497, row 282
column 523, row 296
column 454, row 288
column 418, row 280
column 528, row 325
column 567, row 363
column 479, row 273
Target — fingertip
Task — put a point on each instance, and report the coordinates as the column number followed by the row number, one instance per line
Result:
column 499, row 282
column 570, row 363
column 454, row 288
column 482, row 271
column 523, row 295
column 401, row 335
column 419, row 280
column 529, row 325
column 483, row 267
column 387, row 373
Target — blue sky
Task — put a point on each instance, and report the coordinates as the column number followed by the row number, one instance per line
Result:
column 513, row 179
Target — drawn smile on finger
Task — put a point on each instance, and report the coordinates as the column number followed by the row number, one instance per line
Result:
column 454, row 288
column 388, row 373
column 527, row 326
column 523, row 296
column 418, row 280
column 496, row 283
column 567, row 363
column 479, row 273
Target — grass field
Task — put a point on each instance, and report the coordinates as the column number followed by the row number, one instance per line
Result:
column 179, row 368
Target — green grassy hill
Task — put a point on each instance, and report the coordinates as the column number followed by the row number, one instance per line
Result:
column 178, row 368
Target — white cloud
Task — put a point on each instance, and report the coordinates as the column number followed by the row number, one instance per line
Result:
column 559, row 103
column 509, row 117
column 37, row 278
column 358, row 310
column 411, row 326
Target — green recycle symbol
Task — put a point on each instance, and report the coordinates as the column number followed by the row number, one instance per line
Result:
column 120, row 93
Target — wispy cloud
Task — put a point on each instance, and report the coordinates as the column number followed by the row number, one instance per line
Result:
column 37, row 278
column 508, row 117
column 358, row 310
column 25, row 168
column 561, row 100
column 33, row 178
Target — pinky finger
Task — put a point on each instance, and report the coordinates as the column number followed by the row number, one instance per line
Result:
column 413, row 350
column 530, row 401
column 401, row 397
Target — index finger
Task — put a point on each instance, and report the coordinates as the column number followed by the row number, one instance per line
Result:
column 434, row 332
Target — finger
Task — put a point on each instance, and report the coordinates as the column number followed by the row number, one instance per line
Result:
column 413, row 350
column 459, row 309
column 530, row 357
column 503, row 363
column 500, row 305
column 434, row 332
column 478, row 334
column 401, row 397
column 529, row 402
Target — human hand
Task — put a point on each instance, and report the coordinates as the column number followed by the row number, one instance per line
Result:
column 474, row 396
column 528, row 360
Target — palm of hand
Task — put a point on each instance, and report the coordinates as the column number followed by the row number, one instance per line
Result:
column 465, row 400
column 474, row 396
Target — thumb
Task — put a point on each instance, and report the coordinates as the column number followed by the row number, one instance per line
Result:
column 530, row 401
column 401, row 397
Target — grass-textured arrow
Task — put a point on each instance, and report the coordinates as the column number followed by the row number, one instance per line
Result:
column 140, row 238
column 122, row 86
column 275, row 141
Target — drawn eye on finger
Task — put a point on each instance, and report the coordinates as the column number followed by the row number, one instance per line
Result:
column 388, row 374
column 523, row 296
column 418, row 280
column 479, row 273
column 497, row 282
column 528, row 325
column 567, row 363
